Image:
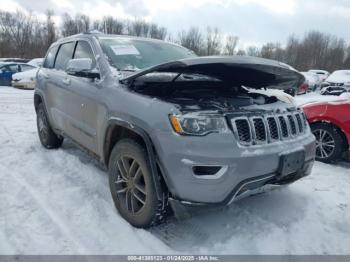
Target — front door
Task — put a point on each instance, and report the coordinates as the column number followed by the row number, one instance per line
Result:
column 88, row 90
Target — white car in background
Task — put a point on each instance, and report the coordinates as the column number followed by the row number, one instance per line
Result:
column 323, row 74
column 37, row 62
column 337, row 83
column 26, row 79
column 339, row 78
column 312, row 79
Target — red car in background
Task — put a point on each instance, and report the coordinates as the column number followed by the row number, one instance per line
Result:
column 303, row 88
column 330, row 123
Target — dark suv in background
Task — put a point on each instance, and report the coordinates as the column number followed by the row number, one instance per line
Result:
column 170, row 126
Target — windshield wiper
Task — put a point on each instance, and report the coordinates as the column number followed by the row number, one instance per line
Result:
column 128, row 70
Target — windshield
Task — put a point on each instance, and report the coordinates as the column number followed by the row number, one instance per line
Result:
column 134, row 54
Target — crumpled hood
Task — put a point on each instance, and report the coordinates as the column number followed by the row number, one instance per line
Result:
column 239, row 70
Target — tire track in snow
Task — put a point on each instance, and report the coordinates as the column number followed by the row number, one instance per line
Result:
column 5, row 247
column 181, row 235
column 39, row 199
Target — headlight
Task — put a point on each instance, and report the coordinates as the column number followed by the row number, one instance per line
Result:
column 197, row 125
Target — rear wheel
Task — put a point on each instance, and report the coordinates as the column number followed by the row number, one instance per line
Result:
column 329, row 142
column 47, row 137
column 132, row 186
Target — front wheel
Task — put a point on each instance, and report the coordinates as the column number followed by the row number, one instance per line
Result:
column 329, row 143
column 132, row 186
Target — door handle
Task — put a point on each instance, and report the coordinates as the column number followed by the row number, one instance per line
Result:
column 66, row 81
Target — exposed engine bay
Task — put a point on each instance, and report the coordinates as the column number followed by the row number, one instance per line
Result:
column 195, row 91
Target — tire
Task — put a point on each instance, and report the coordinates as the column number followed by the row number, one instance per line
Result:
column 132, row 187
column 329, row 143
column 47, row 137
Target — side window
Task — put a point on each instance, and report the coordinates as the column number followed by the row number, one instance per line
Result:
column 5, row 69
column 50, row 57
column 13, row 68
column 83, row 50
column 26, row 68
column 65, row 53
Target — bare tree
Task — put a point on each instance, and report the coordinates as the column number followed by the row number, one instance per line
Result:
column 17, row 28
column 253, row 51
column 241, row 52
column 24, row 35
column 118, row 27
column 157, row 32
column 292, row 51
column 136, row 28
column 69, row 27
column 267, row 50
column 213, row 41
column 82, row 22
column 231, row 43
column 316, row 50
column 347, row 59
column 51, row 35
column 192, row 39
column 110, row 25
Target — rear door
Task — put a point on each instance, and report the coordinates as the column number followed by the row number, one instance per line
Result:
column 63, row 98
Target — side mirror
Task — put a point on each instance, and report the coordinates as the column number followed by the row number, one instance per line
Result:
column 81, row 67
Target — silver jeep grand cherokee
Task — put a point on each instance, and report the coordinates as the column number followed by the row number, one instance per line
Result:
column 175, row 130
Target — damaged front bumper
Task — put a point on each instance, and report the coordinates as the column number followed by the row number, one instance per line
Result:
column 248, row 187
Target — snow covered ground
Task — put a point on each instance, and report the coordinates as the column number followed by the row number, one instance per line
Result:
column 58, row 202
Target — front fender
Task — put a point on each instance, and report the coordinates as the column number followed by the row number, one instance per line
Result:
column 149, row 147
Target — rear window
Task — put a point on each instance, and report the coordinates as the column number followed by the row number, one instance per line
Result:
column 50, row 57
column 65, row 53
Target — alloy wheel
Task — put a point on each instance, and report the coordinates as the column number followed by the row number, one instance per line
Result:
column 130, row 184
column 325, row 143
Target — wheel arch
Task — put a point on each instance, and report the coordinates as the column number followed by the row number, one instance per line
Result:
column 118, row 129
column 38, row 99
column 336, row 126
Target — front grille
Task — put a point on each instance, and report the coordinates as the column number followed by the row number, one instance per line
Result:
column 272, row 128
column 243, row 130
column 283, row 125
column 304, row 118
column 300, row 123
column 259, row 128
column 292, row 125
column 272, row 125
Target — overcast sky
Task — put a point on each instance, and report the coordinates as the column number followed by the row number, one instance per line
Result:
column 254, row 21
